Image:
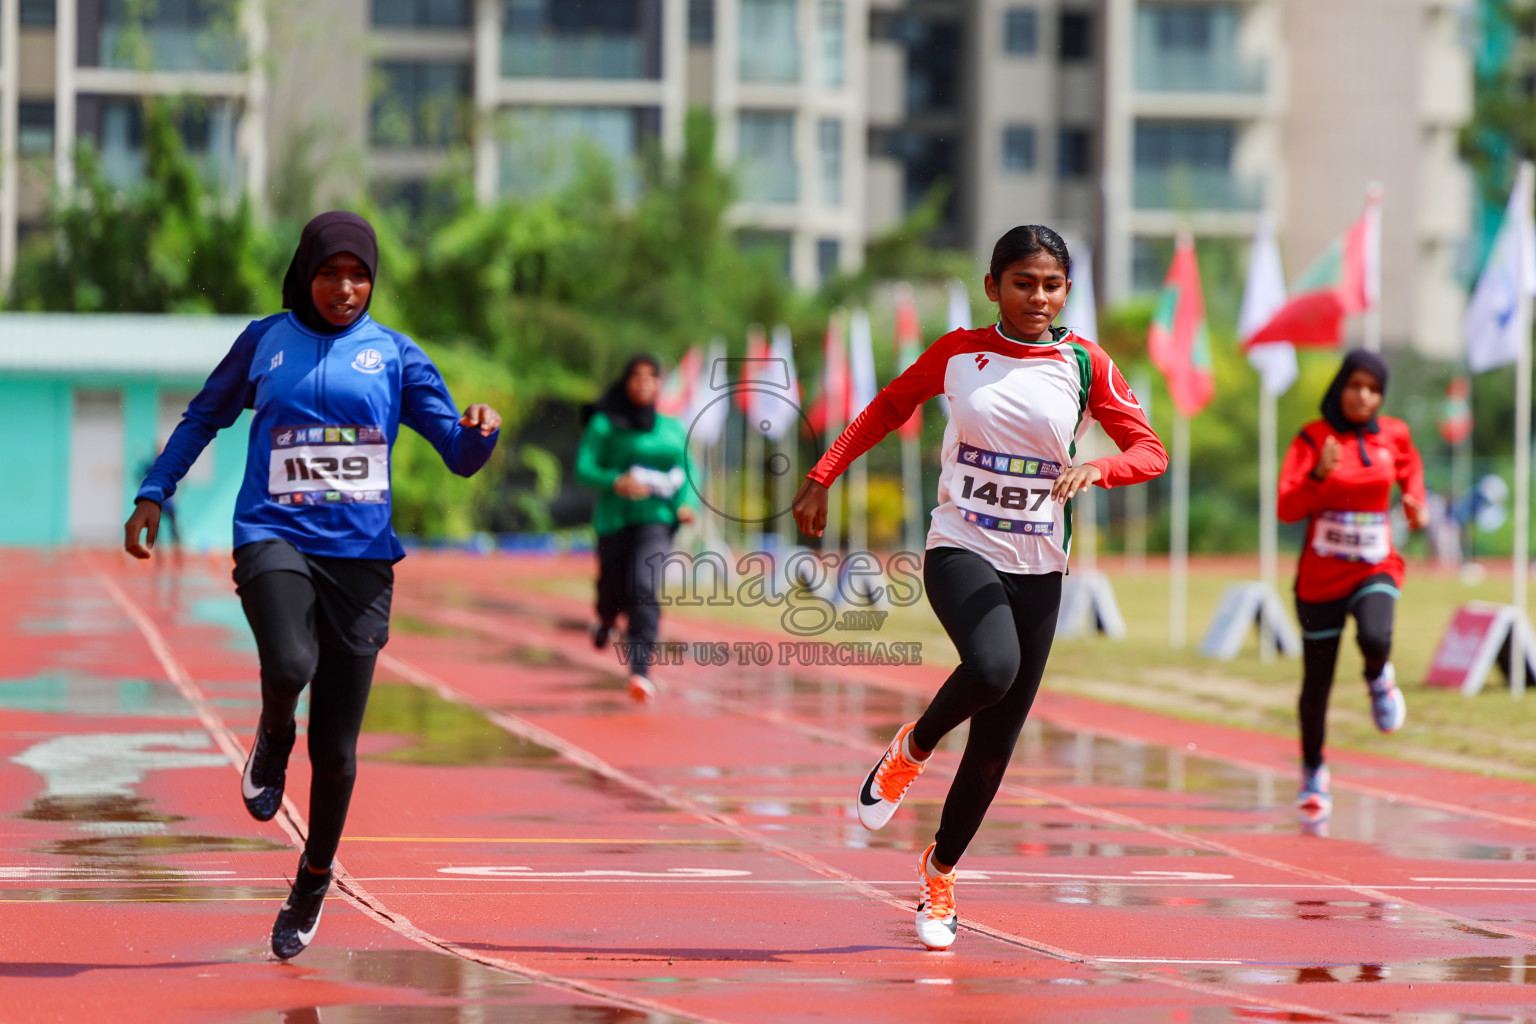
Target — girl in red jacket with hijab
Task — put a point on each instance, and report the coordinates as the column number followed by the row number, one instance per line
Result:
column 1338, row 475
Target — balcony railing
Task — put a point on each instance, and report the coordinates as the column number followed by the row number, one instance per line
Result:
column 170, row 48
column 1196, row 189
column 586, row 56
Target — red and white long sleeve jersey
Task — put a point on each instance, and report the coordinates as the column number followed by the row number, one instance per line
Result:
column 1017, row 410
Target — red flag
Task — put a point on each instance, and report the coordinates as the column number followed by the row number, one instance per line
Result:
column 1342, row 281
column 1178, row 341
column 828, row 414
column 1456, row 413
column 757, row 352
column 677, row 390
column 909, row 344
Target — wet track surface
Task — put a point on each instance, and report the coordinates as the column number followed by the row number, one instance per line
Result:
column 525, row 844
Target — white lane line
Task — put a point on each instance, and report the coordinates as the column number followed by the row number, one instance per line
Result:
column 582, row 757
column 349, row 886
column 1165, row 960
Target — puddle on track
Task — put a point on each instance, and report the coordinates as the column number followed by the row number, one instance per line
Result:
column 442, row 732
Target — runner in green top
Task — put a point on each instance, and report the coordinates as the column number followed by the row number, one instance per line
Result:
column 633, row 457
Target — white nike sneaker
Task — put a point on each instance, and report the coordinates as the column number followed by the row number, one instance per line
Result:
column 888, row 781
column 1387, row 706
column 937, row 921
column 299, row 919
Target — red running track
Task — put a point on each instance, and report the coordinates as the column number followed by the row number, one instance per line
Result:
column 527, row 845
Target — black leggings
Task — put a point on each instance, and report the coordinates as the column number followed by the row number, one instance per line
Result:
column 629, row 581
column 1322, row 623
column 296, row 649
column 1002, row 625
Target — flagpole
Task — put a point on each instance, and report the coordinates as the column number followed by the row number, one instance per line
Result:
column 1268, row 524
column 1373, row 193
column 1178, row 548
column 1522, row 553
column 1136, row 496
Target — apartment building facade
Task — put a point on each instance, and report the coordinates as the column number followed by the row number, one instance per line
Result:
column 1120, row 121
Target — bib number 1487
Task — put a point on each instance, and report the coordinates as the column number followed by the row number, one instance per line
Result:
column 1017, row 498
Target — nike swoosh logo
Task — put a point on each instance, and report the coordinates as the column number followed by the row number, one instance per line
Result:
column 866, row 796
column 307, row 937
column 249, row 789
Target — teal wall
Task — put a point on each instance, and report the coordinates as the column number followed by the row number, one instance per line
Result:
column 34, row 460
column 35, row 425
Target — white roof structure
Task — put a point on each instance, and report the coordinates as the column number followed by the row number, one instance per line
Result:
column 131, row 344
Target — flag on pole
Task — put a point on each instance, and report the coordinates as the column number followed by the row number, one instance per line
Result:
column 1345, row 279
column 776, row 396
column 909, row 345
column 753, row 367
column 1456, row 411
column 677, row 391
column 1263, row 297
column 1081, row 313
column 1493, row 327
column 1178, row 342
column 828, row 413
column 959, row 318
column 861, row 364
column 708, row 408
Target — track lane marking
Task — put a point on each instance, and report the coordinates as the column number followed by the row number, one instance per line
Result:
column 582, row 757
column 348, row 885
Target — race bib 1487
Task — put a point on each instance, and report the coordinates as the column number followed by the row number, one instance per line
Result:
column 1008, row 493
column 327, row 464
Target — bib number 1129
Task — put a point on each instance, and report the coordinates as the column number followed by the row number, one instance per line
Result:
column 1017, row 498
column 324, row 467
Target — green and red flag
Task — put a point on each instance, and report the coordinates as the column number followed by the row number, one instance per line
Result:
column 1344, row 280
column 909, row 345
column 1178, row 341
column 1456, row 411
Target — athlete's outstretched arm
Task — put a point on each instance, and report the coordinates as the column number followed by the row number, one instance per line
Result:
column 1300, row 490
column 1110, row 401
column 1410, row 477
column 464, row 442
column 227, row 392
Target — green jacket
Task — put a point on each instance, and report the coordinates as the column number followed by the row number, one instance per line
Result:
column 607, row 453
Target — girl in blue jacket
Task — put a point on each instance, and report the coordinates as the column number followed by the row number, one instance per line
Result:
column 314, row 548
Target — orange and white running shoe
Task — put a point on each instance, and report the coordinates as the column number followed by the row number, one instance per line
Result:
column 937, row 921
column 641, row 689
column 888, row 782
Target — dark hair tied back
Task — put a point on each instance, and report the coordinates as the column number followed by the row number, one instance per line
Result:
column 1025, row 241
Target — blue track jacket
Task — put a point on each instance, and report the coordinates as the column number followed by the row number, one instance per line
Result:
column 328, row 408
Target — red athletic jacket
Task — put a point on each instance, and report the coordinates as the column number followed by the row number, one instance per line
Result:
column 1349, row 537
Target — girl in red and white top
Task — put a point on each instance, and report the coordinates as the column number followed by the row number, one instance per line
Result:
column 1338, row 475
column 1021, row 394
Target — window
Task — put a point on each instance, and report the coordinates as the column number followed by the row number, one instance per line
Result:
column 770, row 41
column 35, row 130
column 1021, row 31
column 828, row 252
column 168, row 35
column 420, row 104
column 1199, row 144
column 1074, row 158
column 701, row 22
column 542, row 148
column 935, row 48
column 832, row 34
column 421, row 13
column 829, row 151
column 207, row 129
column 1184, row 28
column 39, row 13
column 1019, row 149
column 771, row 247
column 765, row 145
column 1076, row 42
column 605, row 39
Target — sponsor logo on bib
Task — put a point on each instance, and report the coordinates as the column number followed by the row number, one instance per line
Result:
column 368, row 361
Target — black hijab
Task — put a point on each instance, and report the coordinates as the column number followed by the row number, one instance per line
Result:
column 615, row 404
column 324, row 237
column 1333, row 400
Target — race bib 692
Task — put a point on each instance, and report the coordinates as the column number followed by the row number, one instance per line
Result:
column 327, row 464
column 1009, row 493
column 1353, row 536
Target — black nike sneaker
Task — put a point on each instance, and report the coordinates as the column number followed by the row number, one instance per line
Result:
column 299, row 918
column 261, row 784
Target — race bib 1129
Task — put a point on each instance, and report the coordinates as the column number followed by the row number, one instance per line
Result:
column 328, row 464
column 1008, row 493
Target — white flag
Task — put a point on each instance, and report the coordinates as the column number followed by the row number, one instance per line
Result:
column 779, row 411
column 1263, row 296
column 861, row 364
column 959, row 306
column 711, row 396
column 1081, row 313
column 1496, row 323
